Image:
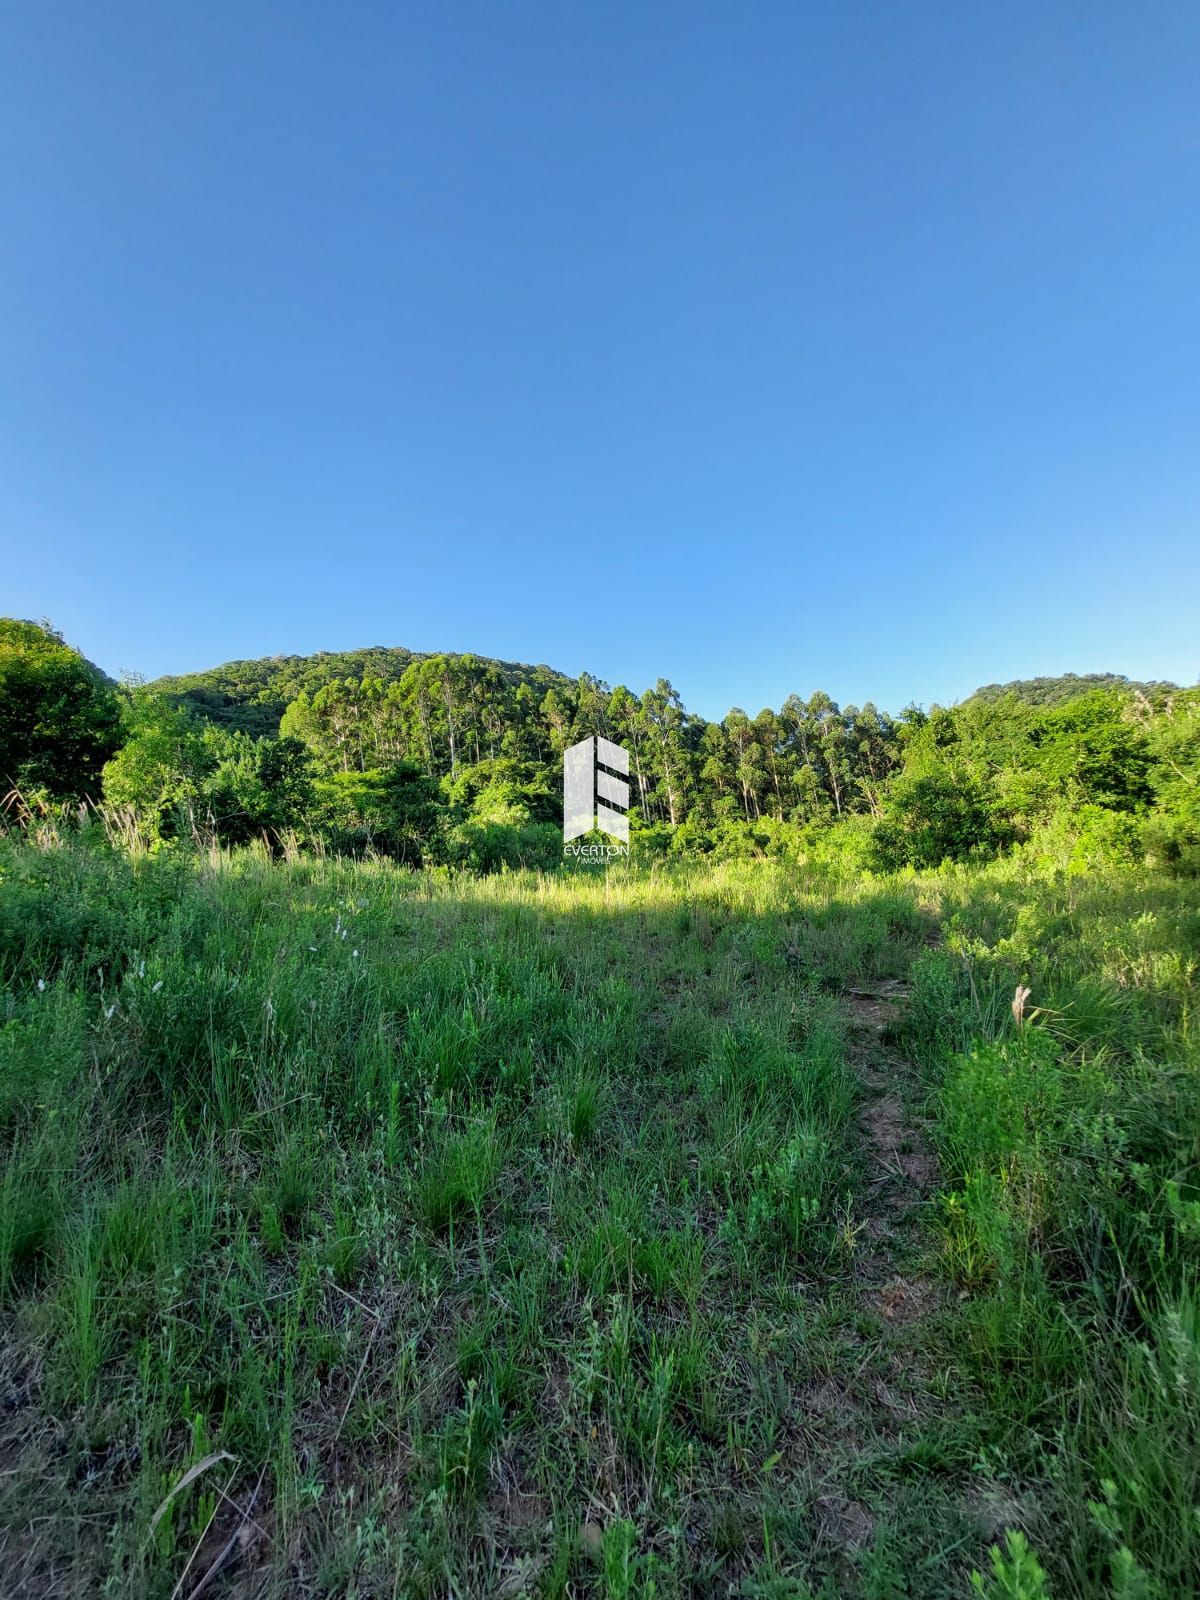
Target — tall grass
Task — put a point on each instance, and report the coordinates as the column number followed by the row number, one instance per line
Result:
column 412, row 1199
column 1072, row 1215
column 416, row 1234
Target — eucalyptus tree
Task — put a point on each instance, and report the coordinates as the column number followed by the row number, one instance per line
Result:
column 664, row 720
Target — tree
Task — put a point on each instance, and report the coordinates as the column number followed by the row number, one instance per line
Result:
column 440, row 697
column 523, row 736
column 1094, row 750
column 771, row 740
column 747, row 761
column 258, row 786
column 664, row 719
column 717, row 772
column 830, row 728
column 350, row 725
column 60, row 718
column 557, row 713
column 158, row 772
column 625, row 719
column 872, row 751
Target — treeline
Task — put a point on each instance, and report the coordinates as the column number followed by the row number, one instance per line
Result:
column 449, row 712
column 457, row 759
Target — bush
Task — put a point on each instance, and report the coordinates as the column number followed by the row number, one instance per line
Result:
column 937, row 815
column 1086, row 837
column 493, row 846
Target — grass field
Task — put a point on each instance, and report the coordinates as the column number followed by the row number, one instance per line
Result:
column 706, row 1231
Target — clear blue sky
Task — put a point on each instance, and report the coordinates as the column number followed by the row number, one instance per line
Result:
column 765, row 347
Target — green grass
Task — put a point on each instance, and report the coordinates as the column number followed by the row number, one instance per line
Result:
column 1071, row 1149
column 510, row 1235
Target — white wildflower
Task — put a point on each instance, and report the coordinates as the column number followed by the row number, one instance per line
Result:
column 156, row 987
column 41, row 985
column 110, row 1012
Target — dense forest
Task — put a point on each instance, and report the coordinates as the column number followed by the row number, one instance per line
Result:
column 455, row 759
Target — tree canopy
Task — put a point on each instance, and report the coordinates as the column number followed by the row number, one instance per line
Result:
column 59, row 715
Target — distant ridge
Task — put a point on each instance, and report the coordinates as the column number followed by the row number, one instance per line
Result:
column 1057, row 691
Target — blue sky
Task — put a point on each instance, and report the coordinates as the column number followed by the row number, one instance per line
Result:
column 767, row 348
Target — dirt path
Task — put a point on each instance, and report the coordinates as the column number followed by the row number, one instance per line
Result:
column 887, row 1395
column 904, row 1172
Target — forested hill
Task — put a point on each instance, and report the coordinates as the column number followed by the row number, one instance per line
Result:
column 458, row 760
column 251, row 696
column 1057, row 691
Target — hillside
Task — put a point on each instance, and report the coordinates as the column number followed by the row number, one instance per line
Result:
column 1057, row 691
column 251, row 696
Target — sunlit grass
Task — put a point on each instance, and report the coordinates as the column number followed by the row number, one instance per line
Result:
column 467, row 1215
